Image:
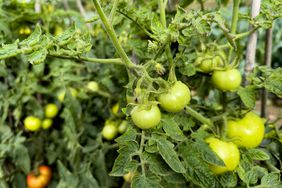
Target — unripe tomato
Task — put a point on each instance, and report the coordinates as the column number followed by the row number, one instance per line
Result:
column 47, row 123
column 122, row 126
column 207, row 62
column 93, row 86
column 61, row 95
column 32, row 123
column 227, row 152
column 247, row 132
column 128, row 177
column 58, row 30
column 146, row 117
column 227, row 80
column 115, row 109
column 24, row 30
column 176, row 98
column 110, row 130
column 51, row 110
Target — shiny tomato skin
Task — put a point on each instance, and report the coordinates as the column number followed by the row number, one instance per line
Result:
column 146, row 117
column 32, row 123
column 45, row 173
column 110, row 130
column 34, row 182
column 176, row 98
column 247, row 132
column 47, row 123
column 227, row 151
column 51, row 110
column 227, row 80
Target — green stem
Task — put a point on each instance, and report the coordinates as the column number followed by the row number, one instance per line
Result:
column 198, row 116
column 113, row 11
column 235, row 16
column 111, row 33
column 117, row 61
column 141, row 151
column 245, row 34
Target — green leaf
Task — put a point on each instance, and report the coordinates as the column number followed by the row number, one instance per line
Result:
column 67, row 179
column 167, row 152
column 258, row 154
column 124, row 158
column 271, row 180
column 229, row 179
column 9, row 50
column 33, row 39
column 37, row 56
column 171, row 128
column 248, row 96
column 156, row 164
column 21, row 157
column 141, row 181
column 129, row 135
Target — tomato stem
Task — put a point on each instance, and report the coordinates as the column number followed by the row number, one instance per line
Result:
column 142, row 142
column 111, row 33
column 235, row 15
column 198, row 116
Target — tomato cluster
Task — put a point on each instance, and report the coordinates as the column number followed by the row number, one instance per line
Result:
column 32, row 123
column 41, row 180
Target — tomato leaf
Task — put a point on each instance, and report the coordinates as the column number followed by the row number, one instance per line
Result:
column 257, row 154
column 141, row 181
column 248, row 96
column 167, row 152
column 171, row 128
column 271, row 180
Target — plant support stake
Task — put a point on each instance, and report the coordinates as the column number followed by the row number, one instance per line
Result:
column 252, row 42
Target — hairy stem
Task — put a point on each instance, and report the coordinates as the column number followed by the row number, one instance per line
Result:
column 111, row 33
column 198, row 116
column 142, row 142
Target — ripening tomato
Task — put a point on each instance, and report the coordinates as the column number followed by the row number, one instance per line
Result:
column 227, row 80
column 32, row 123
column 47, row 123
column 51, row 110
column 176, row 98
column 146, row 117
column 115, row 109
column 227, row 152
column 40, row 181
column 247, row 132
column 110, row 130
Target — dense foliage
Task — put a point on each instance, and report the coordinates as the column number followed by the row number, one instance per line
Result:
column 148, row 90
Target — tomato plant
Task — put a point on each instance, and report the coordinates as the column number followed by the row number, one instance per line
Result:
column 227, row 151
column 176, row 98
column 146, row 116
column 40, row 181
column 246, row 132
column 135, row 88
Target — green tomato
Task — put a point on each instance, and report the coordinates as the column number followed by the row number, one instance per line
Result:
column 227, row 80
column 247, row 132
column 122, row 126
column 146, row 117
column 93, row 86
column 62, row 93
column 176, row 98
column 227, row 152
column 47, row 123
column 51, row 110
column 110, row 130
column 32, row 123
column 207, row 62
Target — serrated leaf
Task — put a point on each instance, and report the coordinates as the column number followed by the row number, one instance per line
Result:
column 129, row 135
column 229, row 179
column 141, row 181
column 32, row 39
column 167, row 152
column 248, row 96
column 258, row 154
column 9, row 50
column 123, row 158
column 157, row 165
column 172, row 129
column 67, row 179
column 37, row 56
column 271, row 180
